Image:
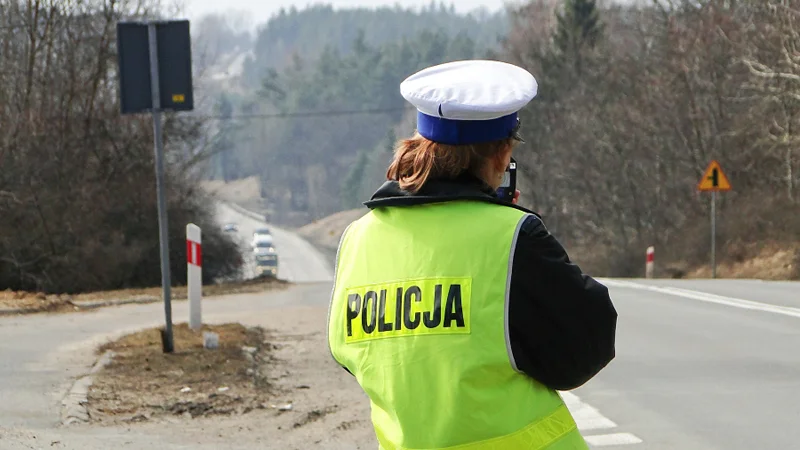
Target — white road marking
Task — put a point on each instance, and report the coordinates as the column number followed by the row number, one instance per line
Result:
column 706, row 297
column 589, row 419
column 605, row 440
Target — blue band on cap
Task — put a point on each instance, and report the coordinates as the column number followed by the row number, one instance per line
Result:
column 465, row 132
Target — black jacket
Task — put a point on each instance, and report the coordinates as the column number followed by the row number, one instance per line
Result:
column 562, row 323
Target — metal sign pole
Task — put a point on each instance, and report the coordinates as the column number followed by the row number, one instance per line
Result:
column 167, row 341
column 713, row 234
column 714, row 180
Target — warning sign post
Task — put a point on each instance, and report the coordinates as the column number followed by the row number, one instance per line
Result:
column 714, row 180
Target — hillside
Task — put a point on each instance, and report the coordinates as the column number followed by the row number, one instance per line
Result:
column 234, row 61
column 310, row 104
column 309, row 32
column 325, row 233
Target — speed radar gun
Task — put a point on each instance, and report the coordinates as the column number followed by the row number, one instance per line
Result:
column 508, row 187
column 194, row 275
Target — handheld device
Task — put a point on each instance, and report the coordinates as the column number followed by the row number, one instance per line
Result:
column 509, row 186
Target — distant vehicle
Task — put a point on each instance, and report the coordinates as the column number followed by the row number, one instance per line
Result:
column 261, row 234
column 267, row 264
column 230, row 227
column 265, row 256
column 263, row 245
column 263, row 231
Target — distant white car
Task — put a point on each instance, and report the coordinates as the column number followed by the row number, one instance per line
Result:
column 230, row 227
column 263, row 244
column 261, row 233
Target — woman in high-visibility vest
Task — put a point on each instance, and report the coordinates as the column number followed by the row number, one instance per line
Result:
column 459, row 314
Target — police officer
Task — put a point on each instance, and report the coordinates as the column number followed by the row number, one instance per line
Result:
column 459, row 314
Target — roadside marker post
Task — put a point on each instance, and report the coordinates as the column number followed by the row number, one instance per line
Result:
column 714, row 180
column 650, row 262
column 145, row 51
column 194, row 274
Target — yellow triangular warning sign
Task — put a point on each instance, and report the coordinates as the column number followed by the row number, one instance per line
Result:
column 714, row 179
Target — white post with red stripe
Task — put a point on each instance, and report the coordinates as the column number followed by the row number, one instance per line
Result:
column 194, row 282
column 650, row 265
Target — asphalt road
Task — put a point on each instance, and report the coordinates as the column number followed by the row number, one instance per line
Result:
column 43, row 354
column 701, row 364
column 699, row 371
column 298, row 261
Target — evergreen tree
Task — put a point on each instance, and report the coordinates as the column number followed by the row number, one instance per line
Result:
column 291, row 152
column 351, row 185
column 223, row 144
column 391, row 140
column 579, row 28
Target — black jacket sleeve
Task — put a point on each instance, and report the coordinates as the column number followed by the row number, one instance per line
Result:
column 561, row 322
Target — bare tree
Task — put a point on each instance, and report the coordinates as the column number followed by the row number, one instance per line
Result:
column 77, row 210
column 618, row 146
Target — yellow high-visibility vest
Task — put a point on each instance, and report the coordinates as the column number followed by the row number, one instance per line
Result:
column 419, row 315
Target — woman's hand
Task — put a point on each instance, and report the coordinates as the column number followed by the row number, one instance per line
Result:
column 516, row 197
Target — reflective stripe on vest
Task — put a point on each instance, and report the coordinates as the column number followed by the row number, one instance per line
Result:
column 536, row 436
column 419, row 315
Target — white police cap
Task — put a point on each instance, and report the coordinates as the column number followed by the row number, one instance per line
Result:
column 469, row 102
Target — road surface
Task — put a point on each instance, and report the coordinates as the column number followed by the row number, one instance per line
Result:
column 699, row 370
column 703, row 364
column 43, row 354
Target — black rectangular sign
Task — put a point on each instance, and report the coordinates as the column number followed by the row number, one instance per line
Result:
column 174, row 66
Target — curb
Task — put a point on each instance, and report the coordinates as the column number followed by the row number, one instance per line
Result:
column 12, row 311
column 73, row 405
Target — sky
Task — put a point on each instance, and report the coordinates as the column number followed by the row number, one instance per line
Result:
column 259, row 11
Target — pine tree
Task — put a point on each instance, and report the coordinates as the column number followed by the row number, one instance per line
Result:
column 579, row 28
column 352, row 183
column 224, row 145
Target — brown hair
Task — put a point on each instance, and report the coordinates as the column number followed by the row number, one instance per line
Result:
column 417, row 160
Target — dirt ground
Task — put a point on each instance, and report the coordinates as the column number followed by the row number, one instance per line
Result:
column 35, row 301
column 38, row 302
column 328, row 409
column 142, row 382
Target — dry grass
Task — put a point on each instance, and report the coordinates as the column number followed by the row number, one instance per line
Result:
column 326, row 232
column 142, row 382
column 769, row 262
column 238, row 191
column 33, row 302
